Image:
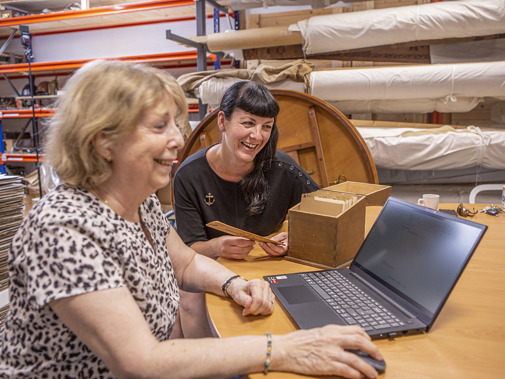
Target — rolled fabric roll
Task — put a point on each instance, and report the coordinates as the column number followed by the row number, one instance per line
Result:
column 253, row 38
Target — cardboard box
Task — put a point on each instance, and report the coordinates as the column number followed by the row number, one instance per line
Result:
column 11, row 58
column 325, row 240
column 24, row 142
column 8, row 13
column 376, row 194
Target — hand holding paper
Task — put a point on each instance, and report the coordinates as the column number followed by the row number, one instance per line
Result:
column 218, row 225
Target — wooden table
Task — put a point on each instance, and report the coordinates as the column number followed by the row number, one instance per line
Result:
column 466, row 341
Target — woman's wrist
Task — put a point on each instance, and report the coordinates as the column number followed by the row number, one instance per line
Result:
column 229, row 285
column 268, row 354
column 289, row 350
column 276, row 357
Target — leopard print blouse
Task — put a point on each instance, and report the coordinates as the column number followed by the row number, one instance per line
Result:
column 69, row 244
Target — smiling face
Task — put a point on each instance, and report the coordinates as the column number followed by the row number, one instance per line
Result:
column 244, row 134
column 144, row 156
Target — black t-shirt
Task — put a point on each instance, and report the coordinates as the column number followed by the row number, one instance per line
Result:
column 201, row 196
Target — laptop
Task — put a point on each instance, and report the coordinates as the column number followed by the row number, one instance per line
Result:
column 398, row 281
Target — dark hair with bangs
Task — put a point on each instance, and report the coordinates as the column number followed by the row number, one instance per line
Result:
column 256, row 99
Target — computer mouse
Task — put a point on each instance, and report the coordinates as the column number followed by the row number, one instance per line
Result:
column 380, row 366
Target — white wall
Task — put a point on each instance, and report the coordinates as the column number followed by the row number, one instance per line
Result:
column 106, row 43
column 115, row 42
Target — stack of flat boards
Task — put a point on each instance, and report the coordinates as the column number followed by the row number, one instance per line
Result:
column 12, row 194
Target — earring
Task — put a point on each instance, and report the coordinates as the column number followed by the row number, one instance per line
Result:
column 108, row 159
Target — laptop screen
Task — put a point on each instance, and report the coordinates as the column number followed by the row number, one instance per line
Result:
column 418, row 253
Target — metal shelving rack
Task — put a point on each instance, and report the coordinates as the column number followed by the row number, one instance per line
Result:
column 201, row 48
column 21, row 114
column 49, row 23
column 83, row 20
column 103, row 11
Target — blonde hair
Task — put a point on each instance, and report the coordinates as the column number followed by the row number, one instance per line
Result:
column 110, row 97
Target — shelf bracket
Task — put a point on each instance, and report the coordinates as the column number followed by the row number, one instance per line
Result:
column 202, row 48
column 201, row 61
column 12, row 85
column 21, row 135
column 218, row 6
column 185, row 41
column 221, row 8
column 9, row 40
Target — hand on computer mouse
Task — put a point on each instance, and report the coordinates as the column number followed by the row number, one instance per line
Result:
column 380, row 366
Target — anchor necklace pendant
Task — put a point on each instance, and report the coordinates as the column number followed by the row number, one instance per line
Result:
column 209, row 199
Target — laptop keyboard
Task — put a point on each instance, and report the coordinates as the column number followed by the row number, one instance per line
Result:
column 350, row 302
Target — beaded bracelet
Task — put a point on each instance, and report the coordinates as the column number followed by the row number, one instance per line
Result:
column 226, row 284
column 269, row 353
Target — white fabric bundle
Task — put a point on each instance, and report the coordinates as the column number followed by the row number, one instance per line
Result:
column 445, row 105
column 435, row 149
column 447, row 19
column 211, row 91
column 449, row 81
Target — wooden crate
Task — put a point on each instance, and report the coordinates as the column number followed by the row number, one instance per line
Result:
column 375, row 194
column 326, row 241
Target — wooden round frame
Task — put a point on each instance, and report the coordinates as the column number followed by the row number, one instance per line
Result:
column 318, row 136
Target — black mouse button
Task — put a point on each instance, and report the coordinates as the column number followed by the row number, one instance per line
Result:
column 380, row 366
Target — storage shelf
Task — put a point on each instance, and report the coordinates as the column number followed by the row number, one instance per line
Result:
column 25, row 113
column 94, row 17
column 103, row 17
column 166, row 60
column 20, row 158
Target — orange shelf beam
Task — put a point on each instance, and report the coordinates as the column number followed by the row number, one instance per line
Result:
column 123, row 25
column 165, row 60
column 71, row 65
column 94, row 12
column 25, row 158
column 25, row 113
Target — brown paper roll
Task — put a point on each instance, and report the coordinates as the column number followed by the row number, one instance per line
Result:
column 253, row 38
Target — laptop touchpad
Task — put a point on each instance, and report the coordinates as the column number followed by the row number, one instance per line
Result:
column 297, row 294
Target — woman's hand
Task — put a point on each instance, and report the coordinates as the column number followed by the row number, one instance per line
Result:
column 254, row 295
column 322, row 351
column 232, row 247
column 276, row 250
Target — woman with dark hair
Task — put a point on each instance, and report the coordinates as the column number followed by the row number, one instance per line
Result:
column 242, row 181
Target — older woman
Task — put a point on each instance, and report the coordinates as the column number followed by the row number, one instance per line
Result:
column 95, row 269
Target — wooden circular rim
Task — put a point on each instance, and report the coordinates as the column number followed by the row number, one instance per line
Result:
column 351, row 129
